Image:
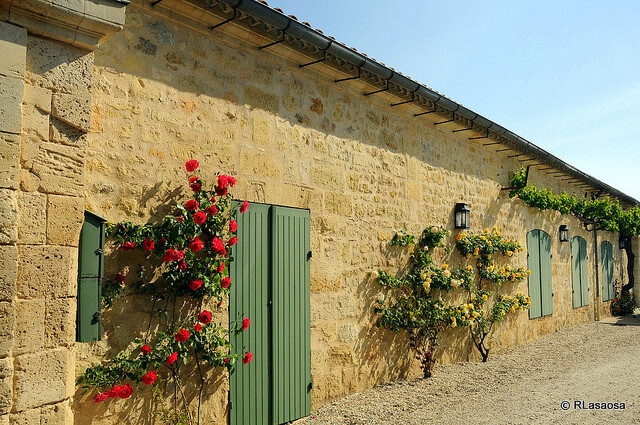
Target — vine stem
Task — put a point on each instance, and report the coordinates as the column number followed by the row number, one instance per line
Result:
column 201, row 384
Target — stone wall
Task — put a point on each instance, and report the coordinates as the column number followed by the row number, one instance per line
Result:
column 163, row 94
column 45, row 113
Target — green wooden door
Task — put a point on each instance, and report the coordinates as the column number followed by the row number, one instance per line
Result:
column 249, row 297
column 90, row 274
column 606, row 258
column 291, row 318
column 540, row 282
column 579, row 272
column 271, row 286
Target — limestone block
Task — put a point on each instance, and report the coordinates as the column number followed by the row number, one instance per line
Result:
column 9, row 160
column 65, row 215
column 261, row 131
column 11, row 92
column 28, row 417
column 262, row 164
column 43, row 378
column 29, row 148
column 329, row 307
column 60, row 169
column 58, row 414
column 8, row 216
column 60, row 322
column 65, row 134
column 257, row 98
column 13, row 45
column 58, row 66
column 32, row 218
column 38, row 97
column 29, row 182
column 4, row 419
column 74, row 109
column 35, row 122
column 348, row 332
column 7, row 326
column 8, row 271
column 326, row 176
column 6, row 385
column 29, row 330
column 338, row 203
column 47, row 271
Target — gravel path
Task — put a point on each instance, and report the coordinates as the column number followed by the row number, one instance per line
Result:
column 596, row 362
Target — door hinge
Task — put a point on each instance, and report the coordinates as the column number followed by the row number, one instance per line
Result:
column 230, row 405
column 309, row 255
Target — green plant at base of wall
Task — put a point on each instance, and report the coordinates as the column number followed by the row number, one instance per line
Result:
column 186, row 268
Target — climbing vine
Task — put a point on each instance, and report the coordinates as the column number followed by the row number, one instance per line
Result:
column 485, row 310
column 186, row 270
column 600, row 213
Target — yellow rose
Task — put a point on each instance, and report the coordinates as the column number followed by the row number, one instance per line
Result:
column 446, row 273
column 469, row 268
column 528, row 272
column 445, row 266
column 484, row 297
column 486, row 230
column 521, row 249
column 495, row 228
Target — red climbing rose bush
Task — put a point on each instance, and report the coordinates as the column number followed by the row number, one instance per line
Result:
column 187, row 256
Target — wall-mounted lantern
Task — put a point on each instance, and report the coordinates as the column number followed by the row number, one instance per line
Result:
column 621, row 242
column 462, row 216
column 564, row 233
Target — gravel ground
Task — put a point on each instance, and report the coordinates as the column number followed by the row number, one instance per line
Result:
column 596, row 362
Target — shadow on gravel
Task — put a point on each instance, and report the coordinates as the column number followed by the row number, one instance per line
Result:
column 621, row 321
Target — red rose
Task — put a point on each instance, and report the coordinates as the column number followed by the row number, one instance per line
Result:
column 200, row 217
column 171, row 359
column 182, row 265
column 212, row 210
column 172, row 255
column 221, row 268
column 196, row 245
column 180, row 219
column 244, row 207
column 195, row 284
column 191, row 165
column 163, row 241
column 191, row 205
column 128, row 246
column 197, row 327
column 245, row 324
column 221, row 191
column 119, row 278
column 223, row 181
column 100, row 397
column 150, row 377
column 125, row 391
column 195, row 184
column 218, row 246
column 224, row 283
column 226, row 360
column 233, row 241
column 145, row 349
column 148, row 244
column 247, row 358
column 183, row 335
column 231, row 180
column 233, row 226
column 205, row 317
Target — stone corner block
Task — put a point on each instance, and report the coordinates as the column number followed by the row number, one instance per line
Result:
column 8, row 271
column 13, row 45
column 11, row 93
column 32, row 218
column 9, row 160
column 65, row 215
column 74, row 109
column 47, row 271
column 38, row 97
column 29, row 330
column 7, row 326
column 43, row 378
column 58, row 414
column 8, row 216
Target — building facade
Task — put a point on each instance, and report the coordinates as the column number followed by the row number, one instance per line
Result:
column 104, row 101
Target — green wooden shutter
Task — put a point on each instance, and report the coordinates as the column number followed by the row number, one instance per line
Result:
column 271, row 286
column 579, row 272
column 576, row 276
column 533, row 263
column 606, row 255
column 249, row 297
column 545, row 273
column 90, row 273
column 291, row 318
